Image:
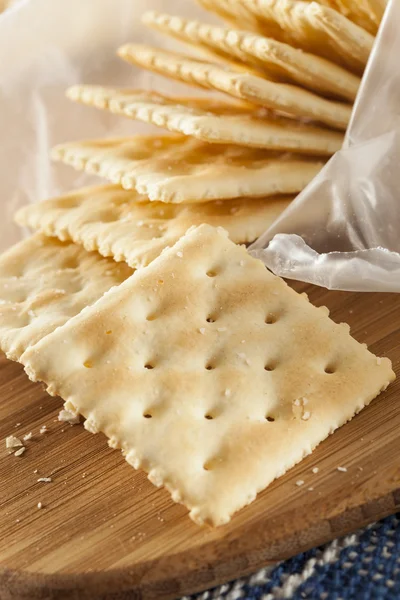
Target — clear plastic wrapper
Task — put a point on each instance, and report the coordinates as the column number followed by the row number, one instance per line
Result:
column 342, row 232
column 46, row 46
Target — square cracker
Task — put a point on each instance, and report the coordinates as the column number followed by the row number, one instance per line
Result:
column 276, row 59
column 236, row 82
column 121, row 224
column 209, row 372
column 182, row 169
column 179, row 116
column 45, row 282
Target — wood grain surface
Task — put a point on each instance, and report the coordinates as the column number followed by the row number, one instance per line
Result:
column 105, row 532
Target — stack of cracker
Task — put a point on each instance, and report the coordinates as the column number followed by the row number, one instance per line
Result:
column 136, row 300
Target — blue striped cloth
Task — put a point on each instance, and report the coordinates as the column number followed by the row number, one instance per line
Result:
column 362, row 566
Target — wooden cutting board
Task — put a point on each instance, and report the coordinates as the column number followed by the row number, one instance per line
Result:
column 105, row 532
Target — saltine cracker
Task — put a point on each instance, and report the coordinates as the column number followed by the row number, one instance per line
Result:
column 276, row 59
column 120, row 224
column 209, row 372
column 182, row 169
column 247, row 86
column 45, row 282
column 179, row 116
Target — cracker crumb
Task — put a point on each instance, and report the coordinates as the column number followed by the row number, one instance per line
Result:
column 36, row 471
column 43, row 429
column 310, row 489
column 179, row 254
column 342, row 469
column 299, row 482
column 18, row 424
column 67, row 416
column 315, row 470
column 39, row 505
column 44, row 480
column 306, row 415
column 13, row 442
column 20, row 451
column 27, row 436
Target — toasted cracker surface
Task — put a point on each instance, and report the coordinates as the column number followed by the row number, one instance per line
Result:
column 209, row 372
column 182, row 169
column 123, row 225
column 45, row 282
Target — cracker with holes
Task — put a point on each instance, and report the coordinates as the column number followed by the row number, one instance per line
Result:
column 276, row 59
column 308, row 25
column 121, row 224
column 178, row 115
column 45, row 282
column 209, row 373
column 240, row 83
column 182, row 169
